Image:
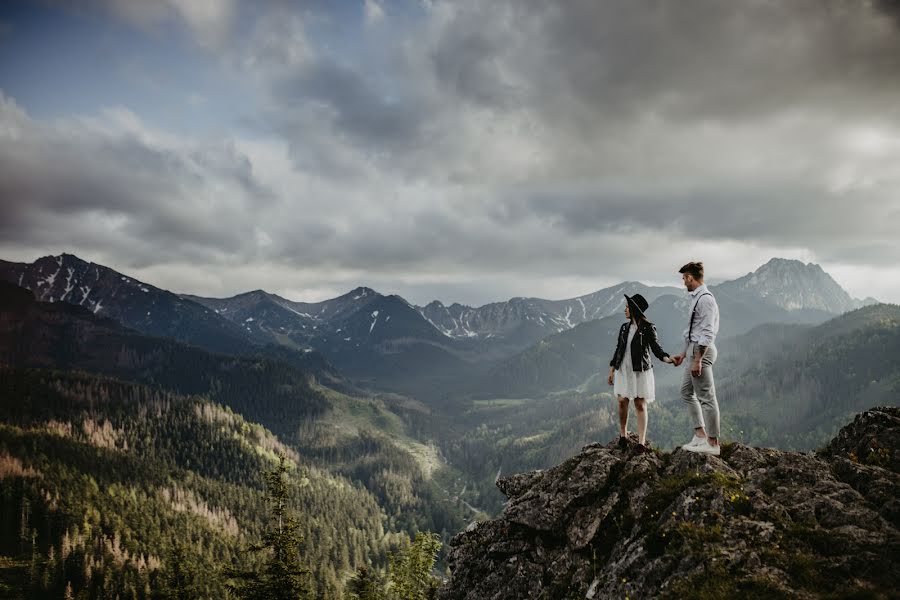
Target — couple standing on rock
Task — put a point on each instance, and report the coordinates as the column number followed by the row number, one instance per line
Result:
column 631, row 370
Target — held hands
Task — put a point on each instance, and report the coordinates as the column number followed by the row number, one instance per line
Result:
column 677, row 359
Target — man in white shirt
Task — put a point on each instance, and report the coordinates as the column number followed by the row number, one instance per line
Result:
column 698, row 388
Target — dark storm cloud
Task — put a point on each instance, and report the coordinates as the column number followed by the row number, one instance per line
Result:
column 711, row 60
column 586, row 76
column 766, row 211
column 358, row 108
column 515, row 141
column 157, row 199
column 466, row 59
column 890, row 8
column 720, row 118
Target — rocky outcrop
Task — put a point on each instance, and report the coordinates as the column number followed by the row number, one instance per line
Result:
column 752, row 523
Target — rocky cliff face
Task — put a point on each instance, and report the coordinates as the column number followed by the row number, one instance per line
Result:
column 753, row 523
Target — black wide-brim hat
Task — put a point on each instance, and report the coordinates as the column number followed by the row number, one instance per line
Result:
column 637, row 303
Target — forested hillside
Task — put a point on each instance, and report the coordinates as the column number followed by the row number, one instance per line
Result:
column 359, row 436
column 105, row 482
column 124, row 436
column 793, row 387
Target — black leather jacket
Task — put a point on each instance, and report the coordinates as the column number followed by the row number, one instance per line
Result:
column 645, row 340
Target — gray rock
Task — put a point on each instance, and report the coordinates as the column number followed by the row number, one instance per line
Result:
column 755, row 522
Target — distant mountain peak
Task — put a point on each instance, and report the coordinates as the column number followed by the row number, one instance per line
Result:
column 60, row 257
column 255, row 294
column 777, row 260
column 361, row 292
column 789, row 263
column 792, row 285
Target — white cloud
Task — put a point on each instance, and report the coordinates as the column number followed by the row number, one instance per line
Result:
column 209, row 21
column 374, row 12
column 112, row 183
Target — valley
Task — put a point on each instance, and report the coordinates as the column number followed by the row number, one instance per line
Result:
column 175, row 401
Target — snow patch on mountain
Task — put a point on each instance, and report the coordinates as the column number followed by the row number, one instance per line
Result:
column 69, row 285
column 49, row 279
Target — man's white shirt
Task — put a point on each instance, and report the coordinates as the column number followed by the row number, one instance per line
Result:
column 706, row 318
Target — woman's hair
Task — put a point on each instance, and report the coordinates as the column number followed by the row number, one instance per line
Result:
column 638, row 316
column 694, row 269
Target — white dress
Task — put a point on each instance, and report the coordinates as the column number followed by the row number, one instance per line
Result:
column 629, row 383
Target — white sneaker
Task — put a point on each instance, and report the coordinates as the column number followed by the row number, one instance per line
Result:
column 695, row 441
column 705, row 448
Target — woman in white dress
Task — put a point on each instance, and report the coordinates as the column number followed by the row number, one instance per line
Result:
column 631, row 368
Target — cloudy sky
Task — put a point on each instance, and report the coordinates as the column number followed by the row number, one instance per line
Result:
column 464, row 150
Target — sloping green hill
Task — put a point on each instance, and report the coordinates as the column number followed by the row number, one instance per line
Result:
column 291, row 402
column 103, row 479
column 357, row 444
column 797, row 385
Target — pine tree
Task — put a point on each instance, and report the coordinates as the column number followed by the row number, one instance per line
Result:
column 180, row 575
column 411, row 577
column 283, row 577
column 365, row 585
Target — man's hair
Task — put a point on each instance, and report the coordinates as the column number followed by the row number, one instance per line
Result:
column 694, row 269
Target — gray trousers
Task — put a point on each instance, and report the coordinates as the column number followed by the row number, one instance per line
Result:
column 699, row 393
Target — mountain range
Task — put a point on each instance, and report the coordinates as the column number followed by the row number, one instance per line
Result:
column 781, row 291
column 523, row 321
column 384, row 340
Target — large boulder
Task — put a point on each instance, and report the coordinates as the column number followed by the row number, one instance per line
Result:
column 617, row 522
